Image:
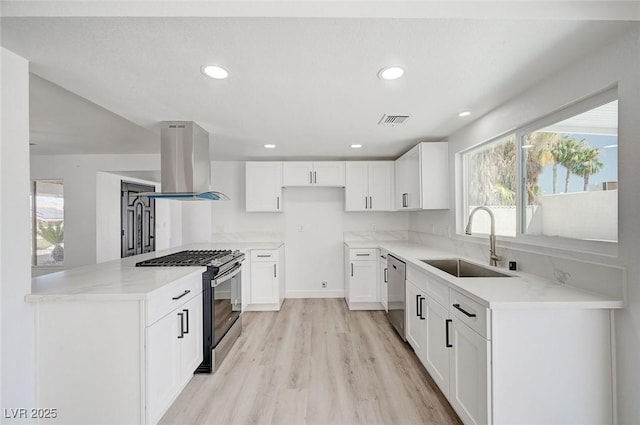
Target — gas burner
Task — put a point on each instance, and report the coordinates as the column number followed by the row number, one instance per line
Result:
column 191, row 258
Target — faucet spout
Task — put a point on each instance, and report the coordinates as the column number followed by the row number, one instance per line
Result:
column 493, row 257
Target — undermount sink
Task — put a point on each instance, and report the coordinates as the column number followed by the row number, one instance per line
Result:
column 461, row 268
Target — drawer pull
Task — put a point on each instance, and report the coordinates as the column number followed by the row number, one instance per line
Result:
column 457, row 306
column 181, row 295
column 264, row 256
column 186, row 312
column 362, row 255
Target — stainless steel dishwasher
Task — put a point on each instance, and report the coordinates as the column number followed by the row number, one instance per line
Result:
column 395, row 293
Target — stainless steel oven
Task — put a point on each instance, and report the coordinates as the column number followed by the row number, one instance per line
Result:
column 226, row 301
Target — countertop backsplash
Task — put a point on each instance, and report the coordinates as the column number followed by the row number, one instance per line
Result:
column 247, row 237
column 599, row 278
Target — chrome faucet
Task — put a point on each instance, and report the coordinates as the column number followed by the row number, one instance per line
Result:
column 494, row 258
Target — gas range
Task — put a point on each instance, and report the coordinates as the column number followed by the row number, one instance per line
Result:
column 221, row 298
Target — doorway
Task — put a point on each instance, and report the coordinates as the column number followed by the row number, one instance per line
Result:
column 138, row 224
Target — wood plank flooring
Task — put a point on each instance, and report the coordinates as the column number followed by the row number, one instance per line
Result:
column 314, row 362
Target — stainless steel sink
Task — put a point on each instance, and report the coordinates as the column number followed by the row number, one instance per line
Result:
column 462, row 268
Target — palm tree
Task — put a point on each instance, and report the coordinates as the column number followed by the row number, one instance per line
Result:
column 567, row 150
column 558, row 152
column 587, row 164
column 538, row 155
column 54, row 234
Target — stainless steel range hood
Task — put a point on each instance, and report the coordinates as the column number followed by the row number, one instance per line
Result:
column 184, row 163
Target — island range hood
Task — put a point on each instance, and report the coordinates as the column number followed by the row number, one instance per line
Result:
column 185, row 163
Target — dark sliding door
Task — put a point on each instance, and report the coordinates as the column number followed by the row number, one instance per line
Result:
column 138, row 219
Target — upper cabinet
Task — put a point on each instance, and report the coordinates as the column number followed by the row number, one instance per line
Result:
column 263, row 186
column 324, row 173
column 422, row 177
column 369, row 186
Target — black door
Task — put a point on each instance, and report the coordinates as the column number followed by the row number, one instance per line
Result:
column 138, row 220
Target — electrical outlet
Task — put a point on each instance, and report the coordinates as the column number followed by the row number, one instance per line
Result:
column 324, row 285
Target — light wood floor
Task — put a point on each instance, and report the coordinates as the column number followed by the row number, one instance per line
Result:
column 314, row 362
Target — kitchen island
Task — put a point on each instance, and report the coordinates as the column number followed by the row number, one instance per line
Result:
column 117, row 343
column 512, row 349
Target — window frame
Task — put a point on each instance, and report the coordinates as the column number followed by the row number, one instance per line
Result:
column 585, row 104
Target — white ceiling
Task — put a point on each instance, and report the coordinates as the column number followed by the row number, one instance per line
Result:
column 308, row 85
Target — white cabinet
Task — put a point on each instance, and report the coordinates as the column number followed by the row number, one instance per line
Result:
column 263, row 186
column 416, row 326
column 266, row 279
column 323, row 173
column 361, row 281
column 438, row 342
column 470, row 374
column 481, row 357
column 422, row 177
column 173, row 352
column 119, row 361
column 369, row 186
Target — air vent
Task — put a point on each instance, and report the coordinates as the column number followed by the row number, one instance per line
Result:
column 393, row 119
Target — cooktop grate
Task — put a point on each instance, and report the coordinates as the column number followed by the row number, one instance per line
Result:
column 186, row 258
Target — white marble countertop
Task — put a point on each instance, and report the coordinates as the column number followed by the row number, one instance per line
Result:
column 519, row 291
column 120, row 279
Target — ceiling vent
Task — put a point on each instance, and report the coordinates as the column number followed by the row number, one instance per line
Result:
column 393, row 119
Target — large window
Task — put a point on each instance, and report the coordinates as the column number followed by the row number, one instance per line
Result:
column 47, row 204
column 567, row 166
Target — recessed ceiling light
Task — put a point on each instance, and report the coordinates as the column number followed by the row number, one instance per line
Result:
column 390, row 73
column 356, row 146
column 464, row 114
column 269, row 146
column 215, row 72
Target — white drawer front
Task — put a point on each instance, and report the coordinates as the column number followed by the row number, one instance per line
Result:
column 258, row 255
column 363, row 254
column 438, row 291
column 173, row 296
column 470, row 312
column 417, row 277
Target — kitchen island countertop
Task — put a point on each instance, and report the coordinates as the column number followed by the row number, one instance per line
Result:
column 120, row 279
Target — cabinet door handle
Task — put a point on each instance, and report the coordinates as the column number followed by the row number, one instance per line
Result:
column 310, row 177
column 457, row 307
column 186, row 312
column 418, row 307
column 370, row 202
column 315, row 177
column 422, row 308
column 386, row 279
column 351, row 269
column 277, row 202
column 181, row 325
column 274, row 271
column 446, row 331
column 366, row 203
column 181, row 295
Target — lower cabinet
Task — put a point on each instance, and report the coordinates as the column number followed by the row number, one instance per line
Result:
column 266, row 287
column 470, row 374
column 361, row 281
column 383, row 279
column 119, row 361
column 174, row 351
column 492, row 364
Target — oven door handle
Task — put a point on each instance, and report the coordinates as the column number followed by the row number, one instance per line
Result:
column 232, row 272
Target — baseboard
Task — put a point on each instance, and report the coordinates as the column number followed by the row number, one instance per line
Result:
column 326, row 293
column 365, row 306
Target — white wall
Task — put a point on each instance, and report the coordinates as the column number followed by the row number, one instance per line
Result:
column 79, row 173
column 312, row 226
column 17, row 318
column 618, row 63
